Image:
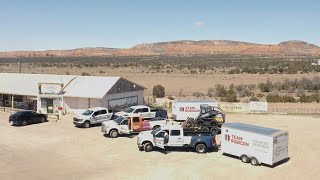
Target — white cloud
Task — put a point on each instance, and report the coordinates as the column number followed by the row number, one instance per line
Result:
column 199, row 24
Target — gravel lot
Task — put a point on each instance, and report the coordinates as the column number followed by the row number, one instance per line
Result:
column 58, row 150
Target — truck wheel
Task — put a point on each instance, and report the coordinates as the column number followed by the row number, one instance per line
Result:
column 86, row 124
column 148, row 147
column 114, row 133
column 201, row 148
column 254, row 161
column 205, row 129
column 24, row 123
column 155, row 127
column 244, row 158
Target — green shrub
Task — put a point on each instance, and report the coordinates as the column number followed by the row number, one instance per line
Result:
column 158, row 91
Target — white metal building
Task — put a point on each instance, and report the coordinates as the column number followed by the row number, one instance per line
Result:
column 67, row 93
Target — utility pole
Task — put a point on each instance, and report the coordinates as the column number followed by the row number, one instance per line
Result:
column 19, row 67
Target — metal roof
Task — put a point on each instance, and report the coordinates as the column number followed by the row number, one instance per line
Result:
column 27, row 84
column 251, row 128
column 90, row 86
column 74, row 86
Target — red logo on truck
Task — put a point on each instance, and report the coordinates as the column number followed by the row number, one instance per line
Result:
column 236, row 139
column 182, row 109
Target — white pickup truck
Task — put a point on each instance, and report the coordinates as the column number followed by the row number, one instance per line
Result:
column 130, row 125
column 144, row 111
column 92, row 116
column 175, row 136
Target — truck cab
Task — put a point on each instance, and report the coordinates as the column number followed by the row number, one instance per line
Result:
column 174, row 136
column 144, row 111
column 132, row 124
column 92, row 116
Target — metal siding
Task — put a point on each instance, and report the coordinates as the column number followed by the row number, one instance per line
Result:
column 122, row 86
column 109, row 97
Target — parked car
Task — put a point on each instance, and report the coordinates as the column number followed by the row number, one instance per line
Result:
column 175, row 136
column 254, row 144
column 92, row 116
column 23, row 118
column 144, row 111
column 130, row 125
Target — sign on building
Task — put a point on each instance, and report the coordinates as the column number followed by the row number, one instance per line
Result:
column 48, row 88
column 258, row 106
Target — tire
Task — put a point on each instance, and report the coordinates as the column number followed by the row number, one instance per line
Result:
column 42, row 120
column 86, row 124
column 205, row 129
column 201, row 148
column 213, row 123
column 148, row 147
column 244, row 158
column 114, row 133
column 155, row 127
column 24, row 123
column 200, row 123
column 254, row 161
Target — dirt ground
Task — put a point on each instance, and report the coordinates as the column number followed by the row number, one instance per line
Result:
column 58, row 150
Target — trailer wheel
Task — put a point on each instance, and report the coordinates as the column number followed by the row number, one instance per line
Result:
column 201, row 148
column 205, row 129
column 148, row 147
column 244, row 158
column 254, row 161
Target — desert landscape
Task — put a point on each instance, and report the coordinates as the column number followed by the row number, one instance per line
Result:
column 59, row 150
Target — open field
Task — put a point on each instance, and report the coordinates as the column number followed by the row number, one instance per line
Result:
column 58, row 150
column 173, row 83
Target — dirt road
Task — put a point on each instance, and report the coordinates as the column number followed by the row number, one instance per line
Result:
column 58, row 150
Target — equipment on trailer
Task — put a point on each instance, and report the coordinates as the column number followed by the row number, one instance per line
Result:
column 209, row 119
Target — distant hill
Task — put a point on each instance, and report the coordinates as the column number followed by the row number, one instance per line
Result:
column 286, row 48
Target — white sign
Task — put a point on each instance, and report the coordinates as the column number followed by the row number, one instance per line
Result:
column 258, row 106
column 50, row 88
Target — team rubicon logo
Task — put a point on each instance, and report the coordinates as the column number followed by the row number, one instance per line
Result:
column 236, row 140
column 227, row 137
column 182, row 109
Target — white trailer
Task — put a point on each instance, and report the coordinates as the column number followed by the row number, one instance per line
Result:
column 184, row 109
column 254, row 144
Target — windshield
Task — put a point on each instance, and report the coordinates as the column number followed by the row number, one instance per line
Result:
column 119, row 119
column 129, row 110
column 87, row 112
column 153, row 132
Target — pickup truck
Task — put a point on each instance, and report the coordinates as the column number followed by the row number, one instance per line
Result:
column 174, row 136
column 144, row 111
column 92, row 116
column 130, row 125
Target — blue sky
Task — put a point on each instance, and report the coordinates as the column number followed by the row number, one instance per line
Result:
column 66, row 24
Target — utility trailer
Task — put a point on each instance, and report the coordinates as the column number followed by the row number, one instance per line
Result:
column 184, row 109
column 255, row 144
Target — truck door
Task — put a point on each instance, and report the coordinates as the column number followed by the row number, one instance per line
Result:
column 124, row 126
column 145, row 113
column 136, row 125
column 175, row 138
column 159, row 139
column 102, row 116
column 95, row 117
